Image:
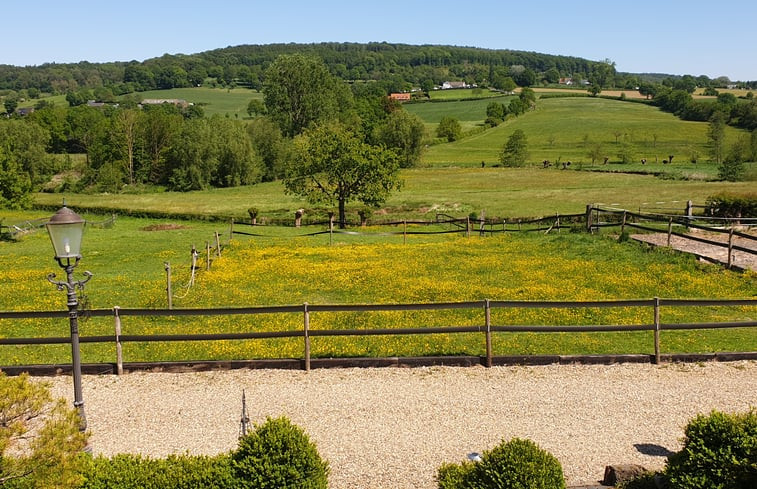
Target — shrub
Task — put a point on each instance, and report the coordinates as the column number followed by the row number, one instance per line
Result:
column 732, row 205
column 719, row 452
column 278, row 455
column 176, row 471
column 516, row 464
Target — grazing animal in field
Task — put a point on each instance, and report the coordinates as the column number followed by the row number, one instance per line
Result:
column 670, row 159
column 546, row 163
column 643, row 161
column 664, row 162
column 606, row 159
column 565, row 164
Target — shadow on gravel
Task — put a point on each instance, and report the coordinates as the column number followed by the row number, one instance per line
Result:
column 653, row 450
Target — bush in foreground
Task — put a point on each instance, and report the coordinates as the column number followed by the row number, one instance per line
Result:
column 719, row 452
column 278, row 455
column 516, row 464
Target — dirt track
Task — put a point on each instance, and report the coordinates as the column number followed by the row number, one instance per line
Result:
column 741, row 259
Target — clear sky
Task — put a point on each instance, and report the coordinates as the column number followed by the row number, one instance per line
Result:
column 677, row 37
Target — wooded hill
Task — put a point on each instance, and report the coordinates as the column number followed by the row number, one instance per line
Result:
column 398, row 66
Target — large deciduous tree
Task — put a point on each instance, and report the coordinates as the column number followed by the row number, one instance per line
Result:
column 404, row 133
column 298, row 91
column 333, row 166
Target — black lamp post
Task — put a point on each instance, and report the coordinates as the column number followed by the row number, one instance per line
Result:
column 66, row 228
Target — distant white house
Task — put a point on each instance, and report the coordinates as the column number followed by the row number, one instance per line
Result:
column 454, row 84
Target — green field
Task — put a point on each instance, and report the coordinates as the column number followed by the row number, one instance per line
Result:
column 515, row 192
column 469, row 113
column 127, row 261
column 567, row 128
column 230, row 102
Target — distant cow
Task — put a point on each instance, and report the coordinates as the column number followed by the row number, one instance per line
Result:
column 670, row 159
column 546, row 163
column 643, row 161
column 606, row 159
column 565, row 164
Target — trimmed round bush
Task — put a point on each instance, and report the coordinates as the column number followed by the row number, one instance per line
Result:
column 515, row 464
column 278, row 455
column 719, row 452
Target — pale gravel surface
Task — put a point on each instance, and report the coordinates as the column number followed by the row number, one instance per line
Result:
column 392, row 427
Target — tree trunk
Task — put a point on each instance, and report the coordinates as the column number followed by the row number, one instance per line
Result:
column 342, row 219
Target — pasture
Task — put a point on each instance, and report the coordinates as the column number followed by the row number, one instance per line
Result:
column 127, row 263
column 231, row 102
column 458, row 191
column 569, row 128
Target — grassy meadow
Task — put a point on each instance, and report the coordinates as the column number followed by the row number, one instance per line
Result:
column 231, row 102
column 127, row 263
column 568, row 128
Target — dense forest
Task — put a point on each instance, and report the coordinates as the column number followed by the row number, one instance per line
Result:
column 397, row 66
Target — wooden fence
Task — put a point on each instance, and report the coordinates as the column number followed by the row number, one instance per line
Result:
column 310, row 311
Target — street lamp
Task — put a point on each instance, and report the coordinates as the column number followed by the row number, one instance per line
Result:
column 66, row 228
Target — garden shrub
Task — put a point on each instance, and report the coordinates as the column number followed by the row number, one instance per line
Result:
column 719, row 452
column 278, row 455
column 732, row 205
column 174, row 472
column 516, row 464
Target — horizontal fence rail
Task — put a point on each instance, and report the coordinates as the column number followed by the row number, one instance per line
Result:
column 485, row 327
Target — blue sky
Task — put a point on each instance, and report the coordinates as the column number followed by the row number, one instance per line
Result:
column 677, row 37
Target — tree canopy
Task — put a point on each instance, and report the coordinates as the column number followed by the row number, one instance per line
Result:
column 334, row 166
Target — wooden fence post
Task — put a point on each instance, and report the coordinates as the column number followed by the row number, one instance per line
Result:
column 657, row 330
column 488, row 315
column 589, row 216
column 207, row 256
column 670, row 229
column 193, row 267
column 558, row 222
column 331, row 228
column 119, row 353
column 307, row 336
column 404, row 232
column 467, row 227
column 218, row 245
column 231, row 230
column 167, row 266
column 623, row 224
column 730, row 247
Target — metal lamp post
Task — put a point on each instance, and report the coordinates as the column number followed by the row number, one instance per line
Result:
column 66, row 228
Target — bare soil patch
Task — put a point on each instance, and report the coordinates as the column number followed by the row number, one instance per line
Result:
column 741, row 259
column 163, row 227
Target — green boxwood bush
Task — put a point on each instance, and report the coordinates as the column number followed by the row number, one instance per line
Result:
column 515, row 464
column 278, row 455
column 719, row 452
column 174, row 472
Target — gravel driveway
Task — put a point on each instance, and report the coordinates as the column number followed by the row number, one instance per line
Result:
column 392, row 427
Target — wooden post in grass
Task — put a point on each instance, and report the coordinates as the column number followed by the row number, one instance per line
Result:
column 488, row 315
column 657, row 330
column 207, row 256
column 331, row 228
column 589, row 217
column 730, row 247
column 167, row 266
column 670, row 229
column 119, row 353
column 307, row 336
column 623, row 224
column 218, row 245
column 404, row 232
column 467, row 227
column 557, row 222
column 231, row 229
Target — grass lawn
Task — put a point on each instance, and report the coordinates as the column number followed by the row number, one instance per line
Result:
column 469, row 113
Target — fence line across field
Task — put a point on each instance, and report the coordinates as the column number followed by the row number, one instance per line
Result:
column 485, row 327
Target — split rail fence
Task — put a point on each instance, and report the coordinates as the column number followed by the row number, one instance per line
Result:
column 486, row 328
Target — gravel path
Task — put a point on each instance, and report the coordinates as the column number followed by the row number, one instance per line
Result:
column 392, row 427
column 747, row 261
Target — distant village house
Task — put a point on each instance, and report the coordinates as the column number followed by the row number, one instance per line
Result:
column 400, row 97
column 454, row 84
